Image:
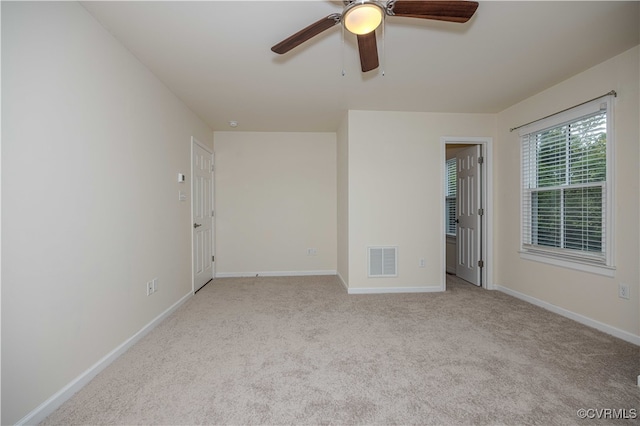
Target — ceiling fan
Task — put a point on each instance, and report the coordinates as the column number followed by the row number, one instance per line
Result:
column 362, row 17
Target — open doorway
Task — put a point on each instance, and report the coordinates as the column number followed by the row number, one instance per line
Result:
column 468, row 192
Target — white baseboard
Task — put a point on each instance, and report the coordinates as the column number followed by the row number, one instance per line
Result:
column 386, row 290
column 273, row 274
column 54, row 402
column 344, row 284
column 616, row 332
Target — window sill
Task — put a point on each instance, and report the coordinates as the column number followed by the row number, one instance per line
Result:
column 607, row 271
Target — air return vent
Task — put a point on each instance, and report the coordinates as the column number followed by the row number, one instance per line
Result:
column 383, row 261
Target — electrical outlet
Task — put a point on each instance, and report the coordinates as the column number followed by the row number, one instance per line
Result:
column 149, row 288
column 623, row 291
column 154, row 284
column 423, row 263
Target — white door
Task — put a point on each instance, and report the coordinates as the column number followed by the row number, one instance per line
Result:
column 469, row 215
column 202, row 215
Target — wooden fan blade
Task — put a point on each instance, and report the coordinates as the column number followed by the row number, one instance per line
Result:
column 368, row 49
column 452, row 11
column 306, row 33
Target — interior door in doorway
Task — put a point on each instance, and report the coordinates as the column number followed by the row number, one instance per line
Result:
column 469, row 233
column 202, row 178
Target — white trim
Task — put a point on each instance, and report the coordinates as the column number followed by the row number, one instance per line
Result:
column 387, row 290
column 607, row 271
column 203, row 146
column 611, row 182
column 346, row 287
column 616, row 332
column 273, row 274
column 213, row 214
column 43, row 410
column 487, row 190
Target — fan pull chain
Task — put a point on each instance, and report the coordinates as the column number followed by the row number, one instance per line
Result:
column 384, row 47
column 343, row 73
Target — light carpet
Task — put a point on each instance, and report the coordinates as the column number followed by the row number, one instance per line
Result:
column 299, row 350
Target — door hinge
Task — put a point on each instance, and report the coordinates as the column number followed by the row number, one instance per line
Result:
column 212, row 213
column 481, row 263
column 480, row 212
column 480, row 160
column 212, row 168
column 213, row 258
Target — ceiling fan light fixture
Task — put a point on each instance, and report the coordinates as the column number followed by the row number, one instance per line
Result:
column 363, row 17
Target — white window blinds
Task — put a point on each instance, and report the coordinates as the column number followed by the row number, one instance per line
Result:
column 450, row 192
column 565, row 184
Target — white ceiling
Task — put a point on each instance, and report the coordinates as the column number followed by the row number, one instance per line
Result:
column 216, row 57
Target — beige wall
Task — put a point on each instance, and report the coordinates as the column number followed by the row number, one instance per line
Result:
column 396, row 178
column 343, row 199
column 91, row 146
column 275, row 196
column 590, row 295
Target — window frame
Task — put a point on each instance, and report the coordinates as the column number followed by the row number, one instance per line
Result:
column 603, row 265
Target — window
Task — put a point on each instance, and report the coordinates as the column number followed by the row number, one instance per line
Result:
column 566, row 207
column 450, row 197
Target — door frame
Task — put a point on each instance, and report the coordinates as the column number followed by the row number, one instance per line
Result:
column 195, row 142
column 487, row 203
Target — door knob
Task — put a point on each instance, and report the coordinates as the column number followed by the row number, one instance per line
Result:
column 195, row 225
